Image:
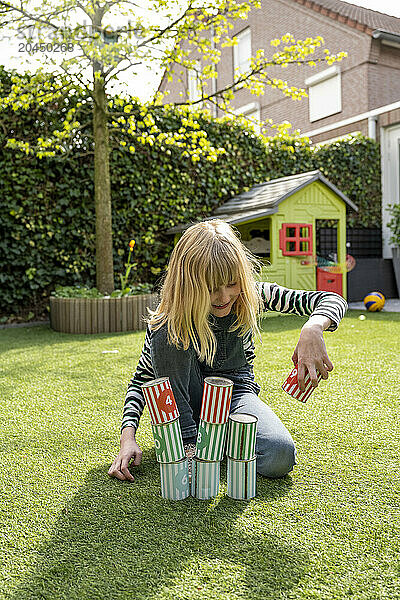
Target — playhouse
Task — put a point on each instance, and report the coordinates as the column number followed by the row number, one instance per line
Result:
column 295, row 225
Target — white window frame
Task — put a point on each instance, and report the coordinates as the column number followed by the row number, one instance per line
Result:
column 250, row 110
column 241, row 54
column 390, row 162
column 193, row 79
column 316, row 84
column 335, row 139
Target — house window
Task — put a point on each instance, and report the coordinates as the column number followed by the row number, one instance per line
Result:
column 242, row 52
column 295, row 239
column 194, row 87
column 324, row 93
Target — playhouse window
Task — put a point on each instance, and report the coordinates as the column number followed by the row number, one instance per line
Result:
column 259, row 243
column 295, row 239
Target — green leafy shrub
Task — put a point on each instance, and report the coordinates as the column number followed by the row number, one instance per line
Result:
column 69, row 291
column 394, row 224
column 77, row 291
column 353, row 165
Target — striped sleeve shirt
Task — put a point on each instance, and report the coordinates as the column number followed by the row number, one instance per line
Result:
column 274, row 298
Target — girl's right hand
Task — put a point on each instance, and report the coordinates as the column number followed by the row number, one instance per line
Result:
column 129, row 450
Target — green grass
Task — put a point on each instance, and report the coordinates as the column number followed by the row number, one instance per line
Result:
column 329, row 530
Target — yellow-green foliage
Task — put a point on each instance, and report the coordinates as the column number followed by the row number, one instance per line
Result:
column 47, row 232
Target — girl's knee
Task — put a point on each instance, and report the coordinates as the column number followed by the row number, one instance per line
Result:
column 276, row 458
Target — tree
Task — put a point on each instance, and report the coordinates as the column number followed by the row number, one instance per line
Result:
column 104, row 52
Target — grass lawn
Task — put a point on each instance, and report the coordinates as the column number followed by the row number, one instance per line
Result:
column 330, row 530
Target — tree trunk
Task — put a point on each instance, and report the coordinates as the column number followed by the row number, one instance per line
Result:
column 102, row 191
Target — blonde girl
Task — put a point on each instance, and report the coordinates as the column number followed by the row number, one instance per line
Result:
column 204, row 325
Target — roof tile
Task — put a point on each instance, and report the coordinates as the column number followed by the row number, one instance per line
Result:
column 366, row 16
column 263, row 199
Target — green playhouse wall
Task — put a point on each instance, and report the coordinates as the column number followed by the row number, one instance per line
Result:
column 313, row 202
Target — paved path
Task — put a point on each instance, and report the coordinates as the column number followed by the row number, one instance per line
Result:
column 391, row 305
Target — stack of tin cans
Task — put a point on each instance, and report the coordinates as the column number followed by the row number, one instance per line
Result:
column 241, row 456
column 217, row 430
column 211, row 437
column 167, row 438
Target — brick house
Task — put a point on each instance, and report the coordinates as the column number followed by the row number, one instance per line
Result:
column 359, row 94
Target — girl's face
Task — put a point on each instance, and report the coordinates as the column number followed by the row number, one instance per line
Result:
column 223, row 299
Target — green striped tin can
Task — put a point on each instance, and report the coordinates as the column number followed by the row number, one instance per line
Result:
column 168, row 441
column 241, row 478
column 205, row 478
column 210, row 444
column 242, row 429
column 175, row 480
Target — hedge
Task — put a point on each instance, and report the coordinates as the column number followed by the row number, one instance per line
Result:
column 47, row 217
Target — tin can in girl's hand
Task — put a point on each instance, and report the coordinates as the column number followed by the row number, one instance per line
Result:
column 291, row 385
column 160, row 400
column 217, row 395
column 168, row 442
column 242, row 429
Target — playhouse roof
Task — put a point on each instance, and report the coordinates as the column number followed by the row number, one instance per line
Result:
column 263, row 199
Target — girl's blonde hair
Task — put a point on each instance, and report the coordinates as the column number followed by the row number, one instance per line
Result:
column 207, row 256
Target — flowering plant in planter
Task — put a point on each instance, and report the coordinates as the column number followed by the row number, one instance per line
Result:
column 125, row 290
column 78, row 291
column 86, row 310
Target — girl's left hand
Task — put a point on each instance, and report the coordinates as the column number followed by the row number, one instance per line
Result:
column 310, row 355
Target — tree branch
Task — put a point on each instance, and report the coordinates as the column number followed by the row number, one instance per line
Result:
column 31, row 17
column 131, row 64
column 244, row 78
column 161, row 32
column 83, row 84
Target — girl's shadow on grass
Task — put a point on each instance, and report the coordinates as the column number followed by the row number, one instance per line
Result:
column 119, row 540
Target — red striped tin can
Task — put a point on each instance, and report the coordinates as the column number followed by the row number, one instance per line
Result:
column 160, row 400
column 217, row 395
column 210, row 444
column 168, row 442
column 205, row 478
column 242, row 429
column 241, row 478
column 175, row 480
column 291, row 385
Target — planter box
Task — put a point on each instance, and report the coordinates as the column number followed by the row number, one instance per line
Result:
column 101, row 315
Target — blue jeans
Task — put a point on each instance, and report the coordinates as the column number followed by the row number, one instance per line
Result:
column 275, row 449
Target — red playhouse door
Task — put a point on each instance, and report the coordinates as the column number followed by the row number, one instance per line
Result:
column 329, row 282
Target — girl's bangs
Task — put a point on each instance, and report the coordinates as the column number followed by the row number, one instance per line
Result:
column 222, row 272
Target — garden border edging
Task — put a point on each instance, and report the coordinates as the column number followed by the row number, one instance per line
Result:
column 101, row 315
